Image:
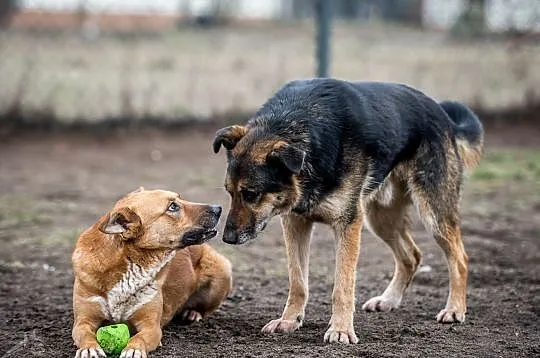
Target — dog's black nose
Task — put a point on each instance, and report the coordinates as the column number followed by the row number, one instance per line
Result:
column 230, row 237
column 216, row 210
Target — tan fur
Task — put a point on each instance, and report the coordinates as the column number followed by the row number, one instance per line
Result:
column 330, row 209
column 259, row 151
column 387, row 218
column 439, row 212
column 101, row 260
column 297, row 234
column 343, row 297
column 470, row 154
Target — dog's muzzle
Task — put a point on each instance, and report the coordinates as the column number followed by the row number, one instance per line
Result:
column 233, row 237
column 197, row 236
column 206, row 231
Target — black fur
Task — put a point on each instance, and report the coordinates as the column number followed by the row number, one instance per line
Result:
column 466, row 123
column 333, row 120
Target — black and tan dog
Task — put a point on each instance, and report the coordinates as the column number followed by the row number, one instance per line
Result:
column 345, row 154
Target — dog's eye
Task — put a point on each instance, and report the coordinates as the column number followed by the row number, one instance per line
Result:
column 249, row 196
column 173, row 207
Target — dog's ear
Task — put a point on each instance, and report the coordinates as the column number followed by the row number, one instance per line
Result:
column 228, row 137
column 138, row 190
column 123, row 221
column 288, row 156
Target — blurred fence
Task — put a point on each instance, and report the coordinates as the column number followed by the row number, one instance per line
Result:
column 96, row 59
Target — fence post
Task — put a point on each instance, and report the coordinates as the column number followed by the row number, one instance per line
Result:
column 323, row 15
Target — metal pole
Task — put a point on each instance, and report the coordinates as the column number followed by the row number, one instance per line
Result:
column 323, row 16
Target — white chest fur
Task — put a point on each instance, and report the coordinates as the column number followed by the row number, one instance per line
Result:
column 137, row 287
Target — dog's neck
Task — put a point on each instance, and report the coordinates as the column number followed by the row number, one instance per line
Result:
column 145, row 257
column 136, row 284
column 101, row 260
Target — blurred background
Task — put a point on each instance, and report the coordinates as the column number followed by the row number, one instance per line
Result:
column 97, row 59
column 99, row 97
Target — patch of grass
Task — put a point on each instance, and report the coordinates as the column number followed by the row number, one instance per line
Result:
column 506, row 180
column 19, row 211
column 508, row 166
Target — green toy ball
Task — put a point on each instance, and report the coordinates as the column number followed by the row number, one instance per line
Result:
column 113, row 339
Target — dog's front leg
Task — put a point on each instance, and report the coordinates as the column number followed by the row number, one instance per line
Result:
column 343, row 298
column 88, row 317
column 147, row 323
column 297, row 235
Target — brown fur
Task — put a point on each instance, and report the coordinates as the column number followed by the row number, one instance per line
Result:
column 194, row 282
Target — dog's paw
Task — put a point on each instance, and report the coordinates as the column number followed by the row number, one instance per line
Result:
column 450, row 316
column 379, row 304
column 95, row 352
column 333, row 335
column 133, row 353
column 191, row 316
column 281, row 325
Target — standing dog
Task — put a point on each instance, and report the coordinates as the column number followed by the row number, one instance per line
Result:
column 137, row 265
column 345, row 154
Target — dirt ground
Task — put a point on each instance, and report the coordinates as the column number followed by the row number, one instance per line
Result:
column 52, row 186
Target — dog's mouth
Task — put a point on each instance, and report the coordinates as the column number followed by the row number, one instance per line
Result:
column 198, row 236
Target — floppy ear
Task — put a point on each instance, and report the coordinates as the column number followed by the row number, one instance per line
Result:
column 287, row 155
column 123, row 221
column 228, row 136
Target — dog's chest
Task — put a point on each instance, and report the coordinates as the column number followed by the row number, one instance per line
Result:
column 137, row 287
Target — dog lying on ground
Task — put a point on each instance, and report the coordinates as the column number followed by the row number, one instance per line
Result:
column 348, row 154
column 143, row 263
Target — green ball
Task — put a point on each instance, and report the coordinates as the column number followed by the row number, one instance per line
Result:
column 113, row 339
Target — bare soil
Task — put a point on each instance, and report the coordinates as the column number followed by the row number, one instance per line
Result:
column 52, row 186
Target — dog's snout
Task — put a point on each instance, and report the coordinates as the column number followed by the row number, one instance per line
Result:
column 230, row 236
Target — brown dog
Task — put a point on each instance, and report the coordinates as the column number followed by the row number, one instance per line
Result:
column 137, row 265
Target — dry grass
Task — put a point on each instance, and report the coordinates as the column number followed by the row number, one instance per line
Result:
column 203, row 72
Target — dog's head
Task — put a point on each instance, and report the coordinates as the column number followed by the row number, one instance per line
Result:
column 261, row 179
column 158, row 219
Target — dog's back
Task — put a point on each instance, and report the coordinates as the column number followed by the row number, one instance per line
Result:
column 388, row 123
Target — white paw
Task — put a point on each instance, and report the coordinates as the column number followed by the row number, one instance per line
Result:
column 379, row 304
column 90, row 353
column 450, row 316
column 333, row 335
column 133, row 353
column 281, row 325
column 191, row 316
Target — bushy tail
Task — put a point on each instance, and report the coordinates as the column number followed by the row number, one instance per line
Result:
column 468, row 131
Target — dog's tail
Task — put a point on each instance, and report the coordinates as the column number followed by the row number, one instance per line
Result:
column 468, row 131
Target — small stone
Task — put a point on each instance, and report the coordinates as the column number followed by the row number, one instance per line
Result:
column 424, row 269
column 156, row 155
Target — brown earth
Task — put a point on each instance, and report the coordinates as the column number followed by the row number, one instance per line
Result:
column 52, row 186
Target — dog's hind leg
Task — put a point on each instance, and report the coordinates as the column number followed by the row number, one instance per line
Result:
column 214, row 283
column 437, row 201
column 389, row 222
column 297, row 235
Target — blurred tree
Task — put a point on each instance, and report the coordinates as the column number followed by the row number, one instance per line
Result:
column 7, row 8
column 471, row 22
